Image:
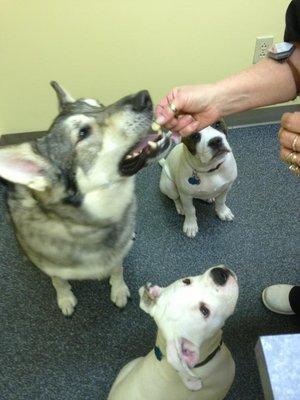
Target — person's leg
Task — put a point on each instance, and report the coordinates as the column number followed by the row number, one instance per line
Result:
column 282, row 299
column 294, row 298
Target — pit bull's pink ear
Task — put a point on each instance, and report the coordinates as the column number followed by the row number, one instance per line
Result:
column 183, row 355
column 148, row 297
column 63, row 97
column 20, row 164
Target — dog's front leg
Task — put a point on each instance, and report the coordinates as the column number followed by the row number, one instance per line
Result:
column 190, row 226
column 119, row 290
column 223, row 212
column 65, row 298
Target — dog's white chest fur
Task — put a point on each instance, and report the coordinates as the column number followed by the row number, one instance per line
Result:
column 211, row 184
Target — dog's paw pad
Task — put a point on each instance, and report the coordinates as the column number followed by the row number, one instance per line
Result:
column 225, row 214
column 67, row 304
column 120, row 296
column 190, row 229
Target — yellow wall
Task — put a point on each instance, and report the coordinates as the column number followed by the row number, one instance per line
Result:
column 108, row 48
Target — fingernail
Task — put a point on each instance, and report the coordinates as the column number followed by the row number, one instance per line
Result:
column 160, row 120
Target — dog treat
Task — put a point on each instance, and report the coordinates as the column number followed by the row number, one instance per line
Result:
column 153, row 145
column 155, row 126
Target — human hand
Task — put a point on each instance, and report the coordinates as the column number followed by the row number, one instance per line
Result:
column 194, row 109
column 289, row 138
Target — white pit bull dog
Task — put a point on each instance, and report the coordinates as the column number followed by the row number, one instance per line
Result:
column 201, row 167
column 189, row 361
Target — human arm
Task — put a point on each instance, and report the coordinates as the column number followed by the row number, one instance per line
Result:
column 268, row 82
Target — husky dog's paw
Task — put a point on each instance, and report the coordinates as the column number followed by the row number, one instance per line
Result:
column 179, row 207
column 211, row 200
column 190, row 228
column 119, row 295
column 225, row 214
column 67, row 303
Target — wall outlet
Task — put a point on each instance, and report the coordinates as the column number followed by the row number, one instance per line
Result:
column 263, row 43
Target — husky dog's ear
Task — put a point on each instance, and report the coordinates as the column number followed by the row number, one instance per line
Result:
column 64, row 98
column 20, row 164
column 184, row 355
column 148, row 297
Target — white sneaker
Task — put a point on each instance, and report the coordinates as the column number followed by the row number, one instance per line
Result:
column 276, row 299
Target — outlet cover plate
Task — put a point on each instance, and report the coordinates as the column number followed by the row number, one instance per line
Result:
column 263, row 43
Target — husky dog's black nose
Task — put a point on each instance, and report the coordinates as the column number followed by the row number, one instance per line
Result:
column 215, row 143
column 141, row 101
column 220, row 275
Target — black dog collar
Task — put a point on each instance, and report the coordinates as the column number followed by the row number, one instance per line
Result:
column 159, row 355
column 209, row 357
column 195, row 180
column 214, row 169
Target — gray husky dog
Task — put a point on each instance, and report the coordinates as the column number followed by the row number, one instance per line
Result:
column 72, row 199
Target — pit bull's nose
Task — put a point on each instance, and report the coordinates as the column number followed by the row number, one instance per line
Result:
column 141, row 101
column 220, row 275
column 215, row 143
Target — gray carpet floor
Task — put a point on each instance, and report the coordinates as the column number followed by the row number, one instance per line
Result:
column 47, row 356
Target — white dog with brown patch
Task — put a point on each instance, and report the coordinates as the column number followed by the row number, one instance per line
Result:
column 202, row 167
column 189, row 360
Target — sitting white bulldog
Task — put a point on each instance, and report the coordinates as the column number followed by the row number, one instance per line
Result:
column 189, row 360
column 201, row 167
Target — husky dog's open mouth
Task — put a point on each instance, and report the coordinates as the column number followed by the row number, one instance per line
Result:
column 148, row 150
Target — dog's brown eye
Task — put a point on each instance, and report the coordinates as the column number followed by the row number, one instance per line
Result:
column 187, row 281
column 84, row 132
column 204, row 310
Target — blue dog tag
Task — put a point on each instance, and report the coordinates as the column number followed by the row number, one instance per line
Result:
column 194, row 180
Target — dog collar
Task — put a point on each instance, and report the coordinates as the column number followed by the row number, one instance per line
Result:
column 195, row 180
column 209, row 357
column 209, row 170
column 190, row 163
column 214, row 169
column 159, row 355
